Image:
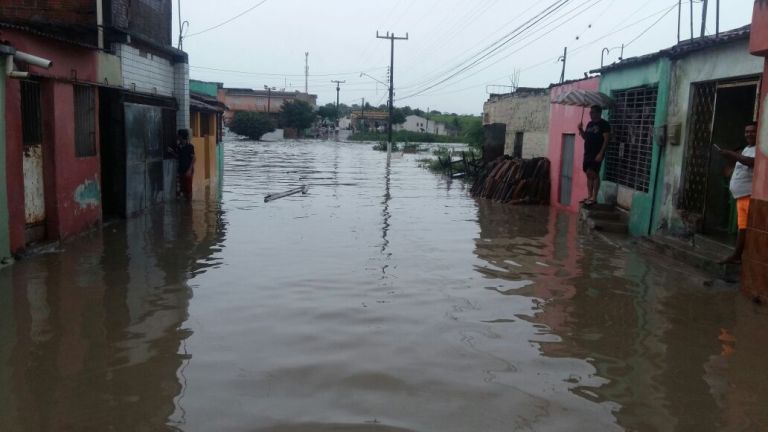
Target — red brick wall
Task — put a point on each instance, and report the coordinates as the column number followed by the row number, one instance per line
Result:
column 65, row 12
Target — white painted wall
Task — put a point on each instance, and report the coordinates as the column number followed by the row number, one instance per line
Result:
column 414, row 123
column 720, row 63
column 145, row 72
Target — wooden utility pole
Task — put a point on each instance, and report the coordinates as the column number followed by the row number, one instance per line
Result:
column 679, row 17
column 691, row 18
column 704, row 17
column 563, row 59
column 717, row 18
column 392, row 38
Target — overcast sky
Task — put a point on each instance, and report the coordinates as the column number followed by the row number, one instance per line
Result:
column 266, row 45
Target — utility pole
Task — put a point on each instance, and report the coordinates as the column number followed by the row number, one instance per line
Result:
column 306, row 72
column 337, row 95
column 392, row 38
column 679, row 17
column 362, row 115
column 704, row 17
column 717, row 18
column 691, row 19
column 269, row 98
column 563, row 59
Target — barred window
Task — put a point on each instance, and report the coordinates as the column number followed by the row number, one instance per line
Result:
column 628, row 156
column 85, row 121
column 31, row 117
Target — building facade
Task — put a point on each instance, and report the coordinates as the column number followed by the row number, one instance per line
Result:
column 526, row 115
column 206, row 120
column 268, row 101
column 566, row 147
column 87, row 137
column 754, row 281
column 414, row 123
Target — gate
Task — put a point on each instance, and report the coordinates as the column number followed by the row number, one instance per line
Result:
column 144, row 143
column 566, row 169
column 698, row 151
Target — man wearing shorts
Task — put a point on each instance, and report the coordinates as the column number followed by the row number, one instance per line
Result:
column 186, row 156
column 741, row 186
column 596, row 137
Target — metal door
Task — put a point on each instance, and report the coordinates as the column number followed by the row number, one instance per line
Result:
column 32, row 166
column 566, row 169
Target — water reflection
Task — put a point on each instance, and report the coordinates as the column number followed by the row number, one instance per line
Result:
column 91, row 339
column 668, row 351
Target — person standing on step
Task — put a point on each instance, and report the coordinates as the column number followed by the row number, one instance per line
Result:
column 186, row 156
column 596, row 137
column 741, row 187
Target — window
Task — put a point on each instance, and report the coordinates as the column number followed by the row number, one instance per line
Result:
column 85, row 121
column 628, row 156
column 31, row 118
column 205, row 124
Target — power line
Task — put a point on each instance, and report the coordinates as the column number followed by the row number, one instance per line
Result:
column 498, row 45
column 229, row 20
column 281, row 74
column 650, row 27
column 392, row 38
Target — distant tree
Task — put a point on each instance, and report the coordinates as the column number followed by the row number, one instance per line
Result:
column 435, row 112
column 418, row 112
column 297, row 114
column 474, row 134
column 398, row 117
column 251, row 124
column 383, row 107
column 407, row 110
column 344, row 110
column 328, row 111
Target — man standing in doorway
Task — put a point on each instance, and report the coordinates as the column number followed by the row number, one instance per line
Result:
column 186, row 154
column 741, row 187
column 596, row 137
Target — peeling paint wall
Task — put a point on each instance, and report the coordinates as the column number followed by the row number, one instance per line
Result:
column 5, row 242
column 88, row 194
column 720, row 63
column 522, row 112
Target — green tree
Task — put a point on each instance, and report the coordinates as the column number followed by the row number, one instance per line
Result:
column 474, row 134
column 251, row 124
column 398, row 117
column 297, row 114
column 328, row 111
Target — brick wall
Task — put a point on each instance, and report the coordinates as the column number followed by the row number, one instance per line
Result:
column 65, row 12
column 147, row 18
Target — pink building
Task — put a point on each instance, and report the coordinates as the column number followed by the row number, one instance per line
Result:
column 566, row 148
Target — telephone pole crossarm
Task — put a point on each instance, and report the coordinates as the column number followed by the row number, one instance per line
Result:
column 392, row 38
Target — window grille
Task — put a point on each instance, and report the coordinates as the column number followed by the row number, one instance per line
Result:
column 31, row 116
column 697, row 151
column 628, row 156
column 85, row 121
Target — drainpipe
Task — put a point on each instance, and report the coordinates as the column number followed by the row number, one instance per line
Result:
column 100, row 22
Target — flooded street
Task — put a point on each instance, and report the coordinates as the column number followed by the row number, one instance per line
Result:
column 384, row 299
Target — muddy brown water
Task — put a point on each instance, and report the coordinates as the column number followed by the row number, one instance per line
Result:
column 385, row 299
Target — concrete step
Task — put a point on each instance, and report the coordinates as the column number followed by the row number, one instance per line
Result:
column 611, row 226
column 604, row 215
column 718, row 246
column 701, row 259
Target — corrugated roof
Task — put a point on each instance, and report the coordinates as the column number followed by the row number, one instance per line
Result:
column 682, row 49
column 203, row 103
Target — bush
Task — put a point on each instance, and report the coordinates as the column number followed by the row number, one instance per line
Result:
column 297, row 115
column 251, row 124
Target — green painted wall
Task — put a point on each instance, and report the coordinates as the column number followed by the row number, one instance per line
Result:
column 202, row 87
column 645, row 206
column 5, row 244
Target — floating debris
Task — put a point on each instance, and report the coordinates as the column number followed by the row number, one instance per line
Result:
column 271, row 197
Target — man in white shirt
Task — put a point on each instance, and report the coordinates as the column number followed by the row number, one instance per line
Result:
column 741, row 186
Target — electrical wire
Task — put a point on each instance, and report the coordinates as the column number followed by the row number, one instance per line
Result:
column 227, row 21
column 496, row 47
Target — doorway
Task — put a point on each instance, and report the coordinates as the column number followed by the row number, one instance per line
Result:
column 566, row 169
column 33, row 162
column 719, row 112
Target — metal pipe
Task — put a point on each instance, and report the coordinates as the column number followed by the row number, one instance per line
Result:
column 33, row 59
column 9, row 69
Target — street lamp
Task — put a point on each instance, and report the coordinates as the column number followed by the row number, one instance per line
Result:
column 365, row 74
column 269, row 97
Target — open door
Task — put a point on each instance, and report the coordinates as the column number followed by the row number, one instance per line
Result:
column 33, row 165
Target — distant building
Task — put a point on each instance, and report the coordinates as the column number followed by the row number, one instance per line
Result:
column 271, row 101
column 206, row 115
column 414, row 123
column 371, row 120
column 526, row 115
